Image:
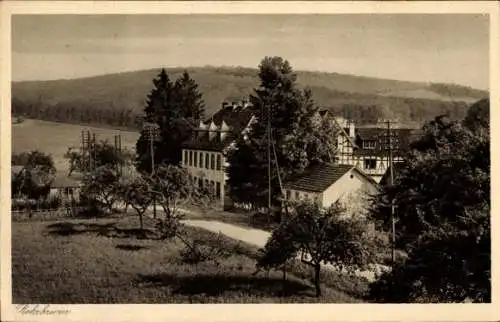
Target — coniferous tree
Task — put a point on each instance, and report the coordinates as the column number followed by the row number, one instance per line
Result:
column 174, row 108
column 156, row 112
column 300, row 137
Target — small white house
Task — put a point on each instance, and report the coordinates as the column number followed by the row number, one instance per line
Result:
column 66, row 188
column 328, row 183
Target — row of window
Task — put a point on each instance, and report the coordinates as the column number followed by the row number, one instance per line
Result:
column 210, row 184
column 298, row 197
column 202, row 160
column 384, row 144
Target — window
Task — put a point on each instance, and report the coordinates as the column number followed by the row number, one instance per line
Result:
column 288, row 193
column 201, row 159
column 200, row 183
column 195, row 162
column 297, row 195
column 218, row 161
column 207, row 160
column 190, row 158
column 369, row 144
column 212, row 162
column 206, row 184
column 370, row 164
column 185, row 157
column 217, row 189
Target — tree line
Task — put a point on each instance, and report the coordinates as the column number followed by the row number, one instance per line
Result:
column 77, row 113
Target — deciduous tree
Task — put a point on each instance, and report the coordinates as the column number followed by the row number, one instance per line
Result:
column 322, row 236
column 298, row 139
column 442, row 199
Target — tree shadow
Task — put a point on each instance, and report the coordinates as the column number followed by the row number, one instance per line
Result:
column 213, row 285
column 130, row 247
column 106, row 230
column 69, row 228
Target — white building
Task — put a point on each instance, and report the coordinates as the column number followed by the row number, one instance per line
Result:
column 328, row 183
column 204, row 155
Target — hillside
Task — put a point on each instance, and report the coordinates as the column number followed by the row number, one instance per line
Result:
column 55, row 138
column 124, row 93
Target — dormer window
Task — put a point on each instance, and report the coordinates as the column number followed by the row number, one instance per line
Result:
column 369, row 144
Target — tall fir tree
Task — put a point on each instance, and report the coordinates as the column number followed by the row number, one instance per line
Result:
column 175, row 108
column 300, row 136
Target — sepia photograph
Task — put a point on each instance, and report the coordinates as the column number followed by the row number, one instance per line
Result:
column 249, row 158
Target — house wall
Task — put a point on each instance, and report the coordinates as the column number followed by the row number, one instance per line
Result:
column 296, row 195
column 64, row 193
column 351, row 187
column 215, row 176
column 382, row 163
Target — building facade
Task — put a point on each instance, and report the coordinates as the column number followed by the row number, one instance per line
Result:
column 204, row 155
column 368, row 148
column 329, row 183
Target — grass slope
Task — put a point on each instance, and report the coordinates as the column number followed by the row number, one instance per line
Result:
column 55, row 138
column 129, row 90
column 101, row 261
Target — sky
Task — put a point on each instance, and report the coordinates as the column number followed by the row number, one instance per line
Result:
column 417, row 47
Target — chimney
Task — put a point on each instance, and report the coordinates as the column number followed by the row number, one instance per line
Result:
column 225, row 104
column 352, row 129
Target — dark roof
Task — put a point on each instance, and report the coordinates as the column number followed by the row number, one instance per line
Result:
column 200, row 141
column 17, row 170
column 397, row 167
column 63, row 181
column 318, row 178
column 236, row 118
column 401, row 140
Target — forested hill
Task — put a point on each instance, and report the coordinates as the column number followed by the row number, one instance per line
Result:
column 118, row 99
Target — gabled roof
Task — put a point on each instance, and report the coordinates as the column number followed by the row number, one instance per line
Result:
column 18, row 170
column 236, row 118
column 201, row 141
column 319, row 177
column 229, row 120
column 397, row 167
column 63, row 181
column 401, row 140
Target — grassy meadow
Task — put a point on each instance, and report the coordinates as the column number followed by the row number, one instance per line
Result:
column 106, row 261
column 55, row 138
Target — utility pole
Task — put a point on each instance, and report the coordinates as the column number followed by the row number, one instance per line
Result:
column 391, row 180
column 151, row 129
column 269, row 159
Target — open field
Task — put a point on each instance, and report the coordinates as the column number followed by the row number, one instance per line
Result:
column 105, row 261
column 55, row 138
